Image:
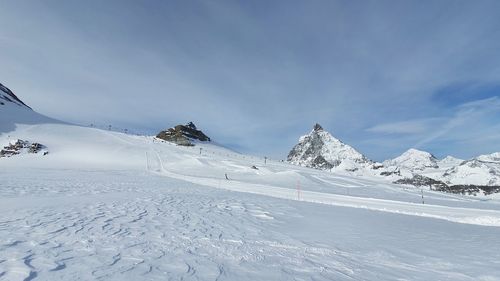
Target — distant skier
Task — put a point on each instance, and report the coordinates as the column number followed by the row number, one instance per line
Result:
column 226, row 177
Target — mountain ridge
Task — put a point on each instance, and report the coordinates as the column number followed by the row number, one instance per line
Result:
column 320, row 150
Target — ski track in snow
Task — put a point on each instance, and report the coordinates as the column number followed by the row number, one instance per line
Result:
column 159, row 235
column 167, row 229
column 459, row 215
column 63, row 219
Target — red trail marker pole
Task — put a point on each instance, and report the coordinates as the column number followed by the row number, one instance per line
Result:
column 298, row 190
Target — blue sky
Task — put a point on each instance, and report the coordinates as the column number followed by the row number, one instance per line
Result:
column 382, row 76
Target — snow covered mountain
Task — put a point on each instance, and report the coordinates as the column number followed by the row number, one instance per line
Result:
column 413, row 160
column 449, row 161
column 14, row 112
column 320, row 150
column 483, row 170
column 450, row 174
column 114, row 206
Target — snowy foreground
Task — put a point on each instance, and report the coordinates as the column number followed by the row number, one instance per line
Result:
column 110, row 206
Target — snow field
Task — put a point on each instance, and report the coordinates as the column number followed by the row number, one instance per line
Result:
column 105, row 205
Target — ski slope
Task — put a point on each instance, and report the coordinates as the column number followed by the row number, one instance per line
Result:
column 105, row 205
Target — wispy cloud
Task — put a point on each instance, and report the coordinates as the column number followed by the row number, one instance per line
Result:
column 417, row 126
column 254, row 72
column 469, row 117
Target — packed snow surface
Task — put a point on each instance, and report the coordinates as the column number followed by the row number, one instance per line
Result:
column 110, row 206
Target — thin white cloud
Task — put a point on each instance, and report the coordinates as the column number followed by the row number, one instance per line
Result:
column 246, row 68
column 468, row 117
column 417, row 126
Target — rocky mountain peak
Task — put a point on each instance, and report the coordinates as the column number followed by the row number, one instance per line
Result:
column 191, row 125
column 184, row 135
column 6, row 95
column 319, row 149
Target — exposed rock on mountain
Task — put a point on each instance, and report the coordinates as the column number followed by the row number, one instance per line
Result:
column 20, row 146
column 437, row 185
column 419, row 180
column 482, row 170
column 320, row 150
column 419, row 168
column 184, row 135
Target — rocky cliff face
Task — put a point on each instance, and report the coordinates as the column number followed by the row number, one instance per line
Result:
column 184, row 135
column 320, row 150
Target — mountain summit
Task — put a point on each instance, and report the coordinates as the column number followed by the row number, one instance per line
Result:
column 413, row 159
column 183, row 135
column 320, row 150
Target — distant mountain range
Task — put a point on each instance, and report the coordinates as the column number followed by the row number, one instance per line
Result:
column 320, row 150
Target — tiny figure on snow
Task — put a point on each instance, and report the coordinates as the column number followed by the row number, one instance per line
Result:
column 226, row 176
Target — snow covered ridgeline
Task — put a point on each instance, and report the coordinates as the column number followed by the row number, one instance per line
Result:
column 14, row 112
column 6, row 95
column 414, row 160
column 320, row 150
column 476, row 175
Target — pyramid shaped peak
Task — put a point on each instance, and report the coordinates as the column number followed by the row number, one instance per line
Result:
column 319, row 149
column 317, row 127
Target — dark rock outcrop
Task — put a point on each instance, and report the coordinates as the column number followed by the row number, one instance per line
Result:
column 469, row 189
column 19, row 146
column 183, row 135
column 419, row 180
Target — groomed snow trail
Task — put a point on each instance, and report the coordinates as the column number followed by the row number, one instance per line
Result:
column 454, row 214
column 115, row 225
column 105, row 206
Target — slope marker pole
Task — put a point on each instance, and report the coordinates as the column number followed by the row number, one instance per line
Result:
column 298, row 190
